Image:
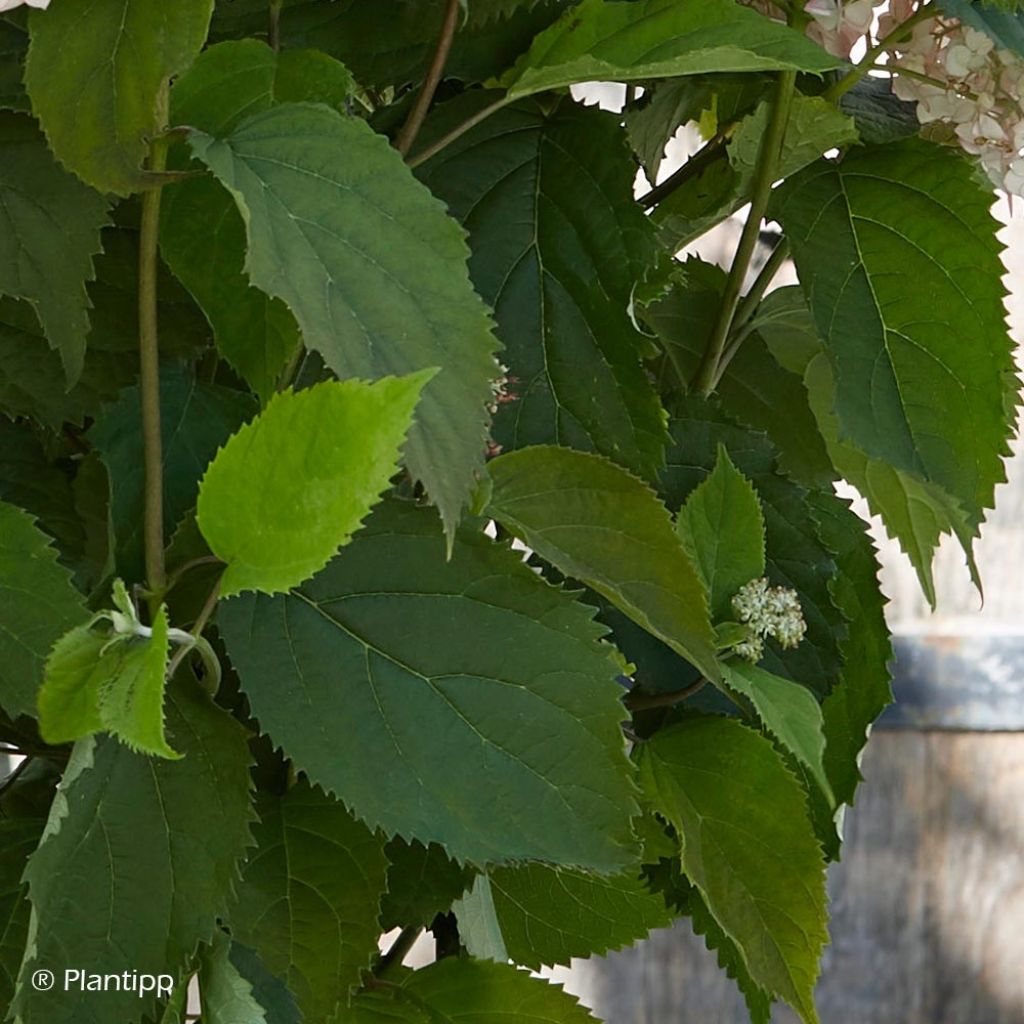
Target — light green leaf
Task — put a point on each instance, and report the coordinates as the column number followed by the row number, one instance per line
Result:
column 422, row 881
column 79, row 62
column 479, row 930
column 897, row 253
column 309, row 899
column 373, row 270
column 722, row 528
column 196, row 419
column 292, row 486
column 473, row 682
column 38, row 604
column 627, row 42
column 606, row 528
column 462, row 991
column 550, row 915
column 747, row 846
column 202, row 235
column 227, row 997
column 558, row 246
column 268, row 990
column 159, row 885
column 49, row 233
column 788, row 711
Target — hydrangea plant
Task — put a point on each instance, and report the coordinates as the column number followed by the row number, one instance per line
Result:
column 398, row 534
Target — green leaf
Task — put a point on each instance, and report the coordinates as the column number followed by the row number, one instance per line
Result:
column 18, row 838
column 196, row 419
column 95, row 680
column 269, row 991
column 479, row 930
column 626, row 42
column 558, row 246
column 755, row 389
column 38, row 603
column 598, row 524
column 747, row 846
column 227, row 996
column 373, row 270
column 292, row 486
column 158, row 885
column 422, row 881
column 879, row 114
column 722, row 528
column 1004, row 26
column 788, row 711
column 432, row 668
column 882, row 241
column 550, row 915
column 794, row 554
column 863, row 692
column 78, row 64
column 202, row 235
column 49, row 233
column 462, row 991
column 13, row 47
column 310, row 895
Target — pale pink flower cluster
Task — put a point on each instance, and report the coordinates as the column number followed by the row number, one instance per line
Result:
column 975, row 88
column 839, row 26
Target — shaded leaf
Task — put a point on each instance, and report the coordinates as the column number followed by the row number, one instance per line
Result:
column 434, row 668
column 598, row 524
column 227, row 996
column 292, row 486
column 879, row 114
column 377, row 278
column 18, row 838
column 422, row 881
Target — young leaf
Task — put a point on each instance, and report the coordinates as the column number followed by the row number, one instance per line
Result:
column 897, row 252
column 788, row 711
column 598, row 524
column 431, row 668
column 558, row 246
column 38, row 603
column 151, row 848
column 196, row 419
column 625, row 42
column 49, row 233
column 458, row 990
column 202, row 235
column 722, row 529
column 227, row 996
column 373, row 270
column 78, row 65
column 747, row 846
column 292, row 486
column 309, row 899
column 550, row 915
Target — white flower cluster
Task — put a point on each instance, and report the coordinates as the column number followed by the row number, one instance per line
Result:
column 9, row 5
column 839, row 26
column 768, row 611
column 968, row 83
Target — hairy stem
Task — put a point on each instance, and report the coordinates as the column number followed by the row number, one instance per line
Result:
column 764, row 176
column 418, row 114
column 457, row 132
column 149, row 362
column 867, row 63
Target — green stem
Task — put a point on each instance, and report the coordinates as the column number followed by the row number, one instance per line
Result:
column 764, row 176
column 149, row 362
column 418, row 113
column 772, row 266
column 894, row 70
column 697, row 163
column 897, row 35
column 646, row 701
column 457, row 132
column 274, row 33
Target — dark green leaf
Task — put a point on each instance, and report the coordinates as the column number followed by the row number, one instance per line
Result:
column 150, row 848
column 13, row 47
column 558, row 247
column 598, row 524
column 625, row 42
column 78, row 64
column 549, row 915
column 18, row 838
column 372, row 269
column 879, row 114
column 747, row 845
column 430, row 669
column 268, row 990
column 1005, row 26
column 49, row 233
column 38, row 603
column 309, row 899
column 422, row 881
column 897, row 252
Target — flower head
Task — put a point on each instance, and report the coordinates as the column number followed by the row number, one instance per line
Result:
column 768, row 611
